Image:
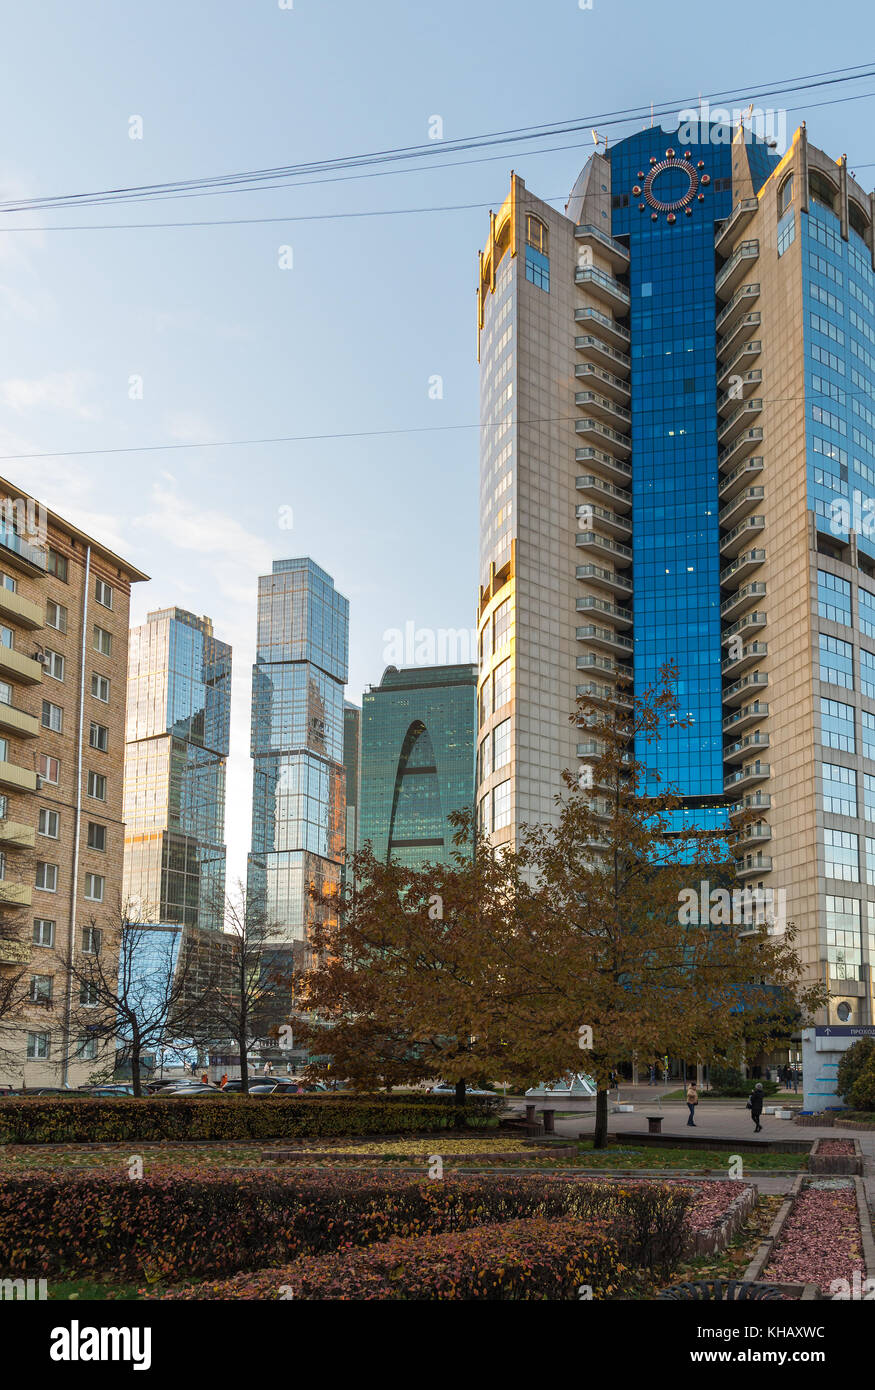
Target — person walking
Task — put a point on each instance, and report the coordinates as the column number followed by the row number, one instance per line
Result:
column 755, row 1106
column 692, row 1102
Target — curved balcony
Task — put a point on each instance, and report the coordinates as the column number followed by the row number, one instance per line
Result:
column 753, row 864
column 742, row 534
column 735, row 269
column 604, row 324
column 739, row 448
column 758, row 833
column 740, row 390
column 606, row 381
column 736, row 222
column 588, row 514
column 603, row 408
column 604, row 694
column 599, row 351
column 753, row 801
column 747, row 353
column 752, row 684
column 747, row 776
column 602, row 578
column 603, row 434
column 747, row 657
column 734, row 481
column 605, row 638
column 603, row 287
column 739, row 420
column 602, row 545
column 745, row 717
column 589, row 661
column 751, row 743
column 617, row 469
column 750, row 623
column 612, row 250
column 598, row 490
column 588, row 603
column 737, row 308
column 746, row 595
column 740, row 505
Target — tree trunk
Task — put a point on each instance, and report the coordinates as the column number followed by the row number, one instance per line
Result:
column 600, row 1138
column 244, row 1065
column 135, row 1070
column 460, row 1092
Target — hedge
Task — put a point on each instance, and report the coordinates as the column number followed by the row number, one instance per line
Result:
column 62, row 1119
column 185, row 1225
column 524, row 1259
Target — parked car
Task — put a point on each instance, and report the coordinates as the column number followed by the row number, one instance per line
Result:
column 111, row 1088
column 443, row 1088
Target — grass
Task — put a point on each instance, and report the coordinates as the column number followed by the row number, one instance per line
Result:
column 704, row 1160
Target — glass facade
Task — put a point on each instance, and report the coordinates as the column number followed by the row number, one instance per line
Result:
column 418, row 741
column 298, row 802
column 177, row 732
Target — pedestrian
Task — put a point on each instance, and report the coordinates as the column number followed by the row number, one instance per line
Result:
column 692, row 1102
column 755, row 1106
column 652, row 1081
column 224, row 1081
column 205, row 1079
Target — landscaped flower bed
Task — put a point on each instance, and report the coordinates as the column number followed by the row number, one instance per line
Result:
column 820, row 1239
column 839, row 1156
column 836, row 1146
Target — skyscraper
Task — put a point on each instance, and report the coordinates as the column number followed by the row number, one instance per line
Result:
column 178, row 723
column 352, row 743
column 298, row 802
column 419, row 730
column 678, row 400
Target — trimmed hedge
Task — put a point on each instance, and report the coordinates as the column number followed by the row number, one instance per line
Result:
column 182, row 1225
column 527, row 1259
column 63, row 1119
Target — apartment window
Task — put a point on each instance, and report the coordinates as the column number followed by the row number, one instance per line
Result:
column 49, row 823
column 49, row 769
column 501, row 806
column 502, row 684
column 837, row 725
column 4, row 806
column 842, row 855
column 836, row 661
column 7, row 636
column 868, row 796
column 43, row 931
column 97, row 786
column 5, row 693
column 840, row 789
column 86, row 1048
column 867, row 673
column 40, row 988
column 536, row 233
column 867, row 723
column 47, row 877
column 53, row 716
column 8, row 582
column 96, row 835
column 537, row 269
column 98, row 736
column 2, row 866
column 501, row 744
column 54, row 664
column 37, row 1047
column 484, row 753
column 833, row 597
column 843, row 938
column 94, row 884
column 100, row 687
column 483, row 814
column 91, row 939
column 56, row 615
column 786, row 231
column 57, row 565
column 785, row 193
column 4, row 749
column 866, row 611
column 88, row 995
column 101, row 640
column 103, row 592
column 503, row 621
column 484, row 701
column 870, row 863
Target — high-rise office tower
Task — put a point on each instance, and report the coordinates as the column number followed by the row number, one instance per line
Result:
column 419, row 730
column 352, row 742
column 678, row 399
column 298, row 802
column 178, row 725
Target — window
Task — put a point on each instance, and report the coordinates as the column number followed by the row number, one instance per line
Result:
column 502, row 683
column 537, row 269
column 5, row 693
column 503, row 621
column 47, row 877
column 88, row 995
column 485, row 755
column 4, row 806
column 536, row 233
column 91, row 939
column 843, row 938
column 40, row 990
column 870, row 859
column 837, row 725
column 53, row 716
column 484, row 701
column 785, row 194
column 54, row 664
column 820, row 189
column 98, row 736
column 867, row 721
column 57, row 565
column 4, row 749
column 7, row 636
column 2, row 865
column 100, row 687
column 49, row 822
column 101, row 640
column 867, row 673
column 103, row 592
column 37, row 1047
column 868, row 796
column 501, row 744
column 49, row 769
column 97, row 786
column 786, row 231
column 8, row 582
column 96, row 835
column 56, row 615
column 501, row 806
column 836, row 661
column 841, row 855
column 833, row 597
column 43, row 931
column 86, row 1048
column 94, row 884
column 840, row 789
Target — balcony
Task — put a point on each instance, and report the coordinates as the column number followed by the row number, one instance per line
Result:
column 747, row 353
column 747, row 776
column 754, row 801
column 741, row 535
column 748, row 656
column 604, row 694
column 603, row 434
column 15, row 721
column 621, row 617
column 603, row 287
column 748, row 685
column 618, row 469
column 731, row 576
column 739, row 420
column 735, row 269
column 739, row 448
column 753, row 864
column 21, row 779
column 14, row 666
column 590, row 662
column 605, row 324
column 752, row 743
column 605, row 579
column 21, row 611
column 740, row 505
column 610, row 521
column 606, row 638
column 20, row 553
column 747, row 594
column 15, row 895
column 741, row 390
column 739, row 476
column 600, row 351
column 606, row 381
column 613, row 251
column 749, row 623
column 757, row 834
column 16, row 833
column 598, row 490
column 592, row 541
column 736, row 222
column 736, row 333
column 745, row 717
column 603, row 408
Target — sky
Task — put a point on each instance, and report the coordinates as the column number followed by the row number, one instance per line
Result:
column 361, row 329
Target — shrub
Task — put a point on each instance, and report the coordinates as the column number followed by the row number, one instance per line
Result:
column 216, row 1223
column 79, row 1120
column 861, row 1094
column 857, row 1058
column 525, row 1259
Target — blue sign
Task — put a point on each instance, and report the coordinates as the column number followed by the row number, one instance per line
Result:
column 846, row 1030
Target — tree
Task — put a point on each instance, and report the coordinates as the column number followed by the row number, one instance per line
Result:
column 859, row 1057
column 13, row 994
column 618, row 955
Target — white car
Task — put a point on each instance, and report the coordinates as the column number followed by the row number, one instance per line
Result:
column 443, row 1088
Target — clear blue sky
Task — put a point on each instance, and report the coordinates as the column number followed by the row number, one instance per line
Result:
column 229, row 345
